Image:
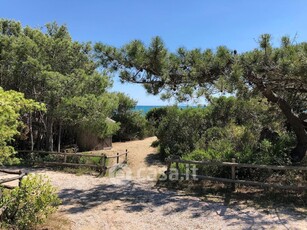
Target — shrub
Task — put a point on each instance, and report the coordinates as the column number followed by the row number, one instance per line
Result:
column 226, row 128
column 264, row 152
column 30, row 204
column 132, row 126
column 202, row 155
column 277, row 152
column 155, row 116
column 180, row 130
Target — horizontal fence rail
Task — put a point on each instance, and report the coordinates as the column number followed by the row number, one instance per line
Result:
column 240, row 165
column 233, row 179
column 117, row 156
column 102, row 166
column 20, row 174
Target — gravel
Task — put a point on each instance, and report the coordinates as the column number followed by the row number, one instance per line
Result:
column 134, row 202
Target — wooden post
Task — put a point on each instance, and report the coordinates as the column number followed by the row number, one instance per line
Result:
column 101, row 163
column 177, row 167
column 104, row 165
column 117, row 158
column 168, row 169
column 20, row 179
column 126, row 156
column 233, row 174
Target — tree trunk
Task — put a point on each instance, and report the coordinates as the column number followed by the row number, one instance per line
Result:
column 59, row 137
column 31, row 132
column 299, row 152
column 49, row 137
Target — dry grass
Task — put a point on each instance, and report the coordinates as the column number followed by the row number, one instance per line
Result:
column 244, row 195
column 56, row 222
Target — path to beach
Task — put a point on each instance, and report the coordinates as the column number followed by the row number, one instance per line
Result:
column 135, row 202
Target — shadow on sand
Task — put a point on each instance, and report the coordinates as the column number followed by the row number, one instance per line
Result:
column 135, row 197
column 153, row 159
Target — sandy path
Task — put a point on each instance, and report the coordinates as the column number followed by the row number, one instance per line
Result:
column 143, row 162
column 135, row 203
column 142, row 159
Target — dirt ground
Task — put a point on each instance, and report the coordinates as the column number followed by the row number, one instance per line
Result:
column 130, row 199
column 143, row 161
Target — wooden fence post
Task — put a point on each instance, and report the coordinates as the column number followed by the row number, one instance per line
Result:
column 117, row 158
column 20, row 179
column 126, row 156
column 168, row 169
column 101, row 163
column 104, row 164
column 233, row 174
column 177, row 167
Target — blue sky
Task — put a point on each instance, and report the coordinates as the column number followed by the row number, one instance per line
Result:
column 192, row 24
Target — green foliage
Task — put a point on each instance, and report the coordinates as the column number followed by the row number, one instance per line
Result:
column 12, row 106
column 133, row 124
column 197, row 72
column 227, row 128
column 90, row 160
column 179, row 130
column 277, row 74
column 155, row 116
column 30, row 204
column 49, row 67
column 264, row 152
column 89, row 112
column 155, row 144
column 267, row 152
column 202, row 155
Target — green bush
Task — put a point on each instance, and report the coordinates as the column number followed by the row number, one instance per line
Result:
column 90, row 160
column 180, row 130
column 224, row 127
column 28, row 205
column 276, row 153
column 264, row 152
column 227, row 128
column 155, row 144
column 155, row 116
column 202, row 155
column 133, row 124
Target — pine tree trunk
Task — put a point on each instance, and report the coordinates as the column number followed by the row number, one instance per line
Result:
column 49, row 137
column 31, row 132
column 299, row 152
column 59, row 137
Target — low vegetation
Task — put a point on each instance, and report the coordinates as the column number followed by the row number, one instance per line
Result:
column 52, row 88
column 227, row 128
column 133, row 124
column 30, row 204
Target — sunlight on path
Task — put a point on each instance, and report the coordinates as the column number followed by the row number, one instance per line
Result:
column 133, row 203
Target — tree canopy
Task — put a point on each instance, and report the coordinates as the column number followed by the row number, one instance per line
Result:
column 133, row 124
column 49, row 67
column 276, row 73
column 12, row 106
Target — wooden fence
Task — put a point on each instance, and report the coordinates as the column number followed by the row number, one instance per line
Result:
column 233, row 180
column 117, row 156
column 102, row 166
column 20, row 174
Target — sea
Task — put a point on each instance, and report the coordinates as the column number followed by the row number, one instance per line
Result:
column 145, row 108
